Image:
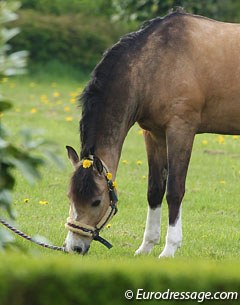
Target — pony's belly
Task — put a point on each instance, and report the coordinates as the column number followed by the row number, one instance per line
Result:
column 223, row 121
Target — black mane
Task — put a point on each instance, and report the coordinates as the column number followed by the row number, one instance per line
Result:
column 92, row 98
column 83, row 185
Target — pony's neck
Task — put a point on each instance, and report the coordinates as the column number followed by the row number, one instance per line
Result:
column 109, row 145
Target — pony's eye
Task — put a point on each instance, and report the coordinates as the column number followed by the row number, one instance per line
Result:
column 96, row 203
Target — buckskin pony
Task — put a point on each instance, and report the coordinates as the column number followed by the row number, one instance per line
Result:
column 177, row 76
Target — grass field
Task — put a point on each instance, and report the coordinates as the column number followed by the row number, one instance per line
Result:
column 211, row 210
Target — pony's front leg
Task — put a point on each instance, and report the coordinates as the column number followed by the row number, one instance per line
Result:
column 157, row 161
column 179, row 143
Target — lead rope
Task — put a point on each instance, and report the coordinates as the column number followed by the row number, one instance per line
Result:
column 10, row 227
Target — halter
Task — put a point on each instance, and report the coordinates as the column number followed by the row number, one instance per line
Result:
column 90, row 231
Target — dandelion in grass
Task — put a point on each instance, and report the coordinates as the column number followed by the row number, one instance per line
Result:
column 222, row 182
column 108, row 226
column 235, row 137
column 43, row 202
column 204, row 142
column 124, row 161
column 67, row 109
column 144, row 177
column 73, row 100
column 33, row 110
column 139, row 162
column 26, row 200
column 140, row 132
column 68, row 119
column 221, row 139
column 56, row 94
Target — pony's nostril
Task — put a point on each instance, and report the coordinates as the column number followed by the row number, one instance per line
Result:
column 77, row 249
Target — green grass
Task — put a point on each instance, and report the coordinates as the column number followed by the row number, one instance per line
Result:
column 211, row 205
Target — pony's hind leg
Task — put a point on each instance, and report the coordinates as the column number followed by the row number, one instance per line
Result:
column 157, row 162
column 180, row 138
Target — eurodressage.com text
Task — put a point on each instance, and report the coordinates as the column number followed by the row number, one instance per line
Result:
column 200, row 297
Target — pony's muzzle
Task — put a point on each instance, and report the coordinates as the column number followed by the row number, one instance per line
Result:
column 76, row 243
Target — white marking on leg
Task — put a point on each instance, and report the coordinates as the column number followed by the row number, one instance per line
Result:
column 173, row 238
column 152, row 231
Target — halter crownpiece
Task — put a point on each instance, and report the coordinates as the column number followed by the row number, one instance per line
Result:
column 90, row 231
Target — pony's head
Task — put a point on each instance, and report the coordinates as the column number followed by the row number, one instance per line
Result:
column 92, row 202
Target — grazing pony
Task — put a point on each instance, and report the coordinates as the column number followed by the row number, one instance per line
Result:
column 176, row 77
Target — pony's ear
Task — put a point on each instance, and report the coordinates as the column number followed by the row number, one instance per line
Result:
column 97, row 163
column 73, row 156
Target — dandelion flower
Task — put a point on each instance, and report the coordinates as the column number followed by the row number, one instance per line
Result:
column 43, row 202
column 68, row 119
column 235, row 137
column 87, row 163
column 108, row 226
column 66, row 109
column 222, row 182
column 114, row 184
column 109, row 176
column 139, row 162
column 221, row 139
column 124, row 161
column 33, row 110
column 140, row 132
column 205, row 142
column 56, row 94
column 26, row 200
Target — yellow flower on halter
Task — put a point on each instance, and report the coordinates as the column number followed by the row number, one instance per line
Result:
column 109, row 176
column 87, row 163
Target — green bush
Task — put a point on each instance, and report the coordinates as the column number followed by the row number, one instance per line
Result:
column 74, row 39
column 59, row 7
column 64, row 280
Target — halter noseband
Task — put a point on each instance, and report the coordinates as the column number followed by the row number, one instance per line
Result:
column 90, row 231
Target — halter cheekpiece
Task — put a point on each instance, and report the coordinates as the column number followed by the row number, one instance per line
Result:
column 90, row 231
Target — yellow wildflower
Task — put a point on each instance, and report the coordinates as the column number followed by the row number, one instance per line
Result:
column 139, row 162
column 87, row 163
column 114, row 184
column 221, row 139
column 56, row 94
column 204, row 142
column 33, row 110
column 108, row 226
column 67, row 109
column 124, row 161
column 26, row 200
column 140, row 132
column 68, row 119
column 222, row 182
column 43, row 202
column 109, row 176
column 235, row 137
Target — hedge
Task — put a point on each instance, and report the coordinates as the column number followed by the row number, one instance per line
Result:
column 75, row 39
column 65, row 280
